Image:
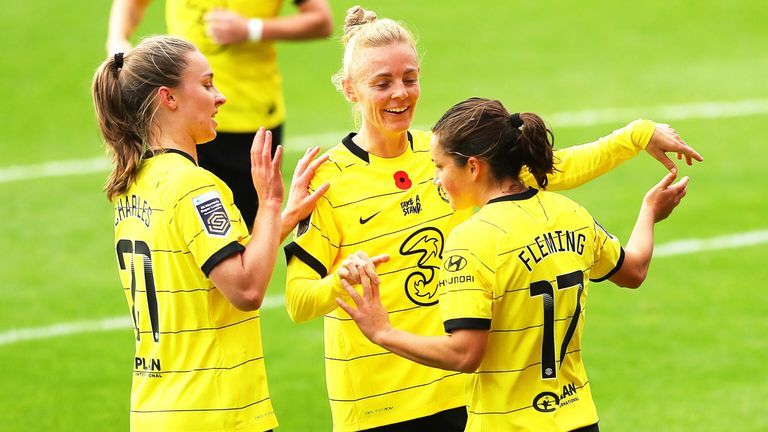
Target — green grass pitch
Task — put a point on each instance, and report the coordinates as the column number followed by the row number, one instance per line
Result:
column 685, row 352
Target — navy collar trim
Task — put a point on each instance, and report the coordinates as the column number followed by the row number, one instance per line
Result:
column 530, row 193
column 359, row 152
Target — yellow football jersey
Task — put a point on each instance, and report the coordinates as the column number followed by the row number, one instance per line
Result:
column 391, row 205
column 520, row 268
column 199, row 364
column 246, row 73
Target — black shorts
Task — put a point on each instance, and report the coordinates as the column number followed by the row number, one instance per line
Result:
column 229, row 157
column 452, row 420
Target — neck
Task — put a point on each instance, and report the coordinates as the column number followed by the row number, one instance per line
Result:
column 501, row 188
column 170, row 139
column 381, row 143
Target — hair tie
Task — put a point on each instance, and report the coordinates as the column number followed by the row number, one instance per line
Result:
column 118, row 61
column 515, row 121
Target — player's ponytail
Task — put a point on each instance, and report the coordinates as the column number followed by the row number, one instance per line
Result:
column 124, row 90
column 533, row 147
column 483, row 128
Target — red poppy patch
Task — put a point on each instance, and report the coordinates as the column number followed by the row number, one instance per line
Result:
column 402, row 181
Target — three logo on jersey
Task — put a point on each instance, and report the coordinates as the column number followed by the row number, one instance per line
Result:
column 548, row 402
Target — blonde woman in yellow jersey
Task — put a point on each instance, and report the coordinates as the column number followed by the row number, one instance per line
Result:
column 238, row 37
column 515, row 276
column 194, row 277
column 383, row 201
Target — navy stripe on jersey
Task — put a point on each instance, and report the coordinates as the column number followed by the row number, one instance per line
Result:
column 398, row 390
column 234, row 324
column 201, row 409
column 293, row 249
column 220, row 256
column 467, row 324
column 615, row 269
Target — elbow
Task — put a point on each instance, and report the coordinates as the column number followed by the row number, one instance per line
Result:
column 469, row 362
column 248, row 301
column 324, row 27
column 633, row 279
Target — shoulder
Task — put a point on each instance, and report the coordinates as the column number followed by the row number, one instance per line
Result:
column 420, row 139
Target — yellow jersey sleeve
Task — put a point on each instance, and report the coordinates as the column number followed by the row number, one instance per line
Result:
column 579, row 164
column 207, row 220
column 466, row 279
column 608, row 254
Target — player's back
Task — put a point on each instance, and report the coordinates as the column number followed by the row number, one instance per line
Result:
column 538, row 249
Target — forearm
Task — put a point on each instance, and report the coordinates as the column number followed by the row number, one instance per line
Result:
column 637, row 252
column 260, row 253
column 579, row 164
column 314, row 21
column 307, row 298
column 435, row 351
column 124, row 17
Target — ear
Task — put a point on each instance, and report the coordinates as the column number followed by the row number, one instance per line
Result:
column 166, row 98
column 474, row 167
column 349, row 90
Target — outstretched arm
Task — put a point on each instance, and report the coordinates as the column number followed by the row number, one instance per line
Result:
column 313, row 21
column 657, row 205
column 579, row 164
column 124, row 17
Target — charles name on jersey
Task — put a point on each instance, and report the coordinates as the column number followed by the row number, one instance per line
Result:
column 551, row 243
column 133, row 205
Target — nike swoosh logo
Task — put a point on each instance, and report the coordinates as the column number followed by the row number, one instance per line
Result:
column 363, row 221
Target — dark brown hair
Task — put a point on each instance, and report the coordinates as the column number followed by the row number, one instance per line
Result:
column 483, row 128
column 124, row 91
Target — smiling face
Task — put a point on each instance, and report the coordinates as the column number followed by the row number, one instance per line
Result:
column 197, row 99
column 454, row 179
column 385, row 83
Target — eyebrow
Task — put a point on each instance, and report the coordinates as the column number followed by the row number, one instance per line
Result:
column 388, row 74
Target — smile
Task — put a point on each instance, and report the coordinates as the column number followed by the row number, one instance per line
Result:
column 396, row 110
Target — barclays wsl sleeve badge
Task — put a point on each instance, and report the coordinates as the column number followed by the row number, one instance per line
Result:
column 212, row 214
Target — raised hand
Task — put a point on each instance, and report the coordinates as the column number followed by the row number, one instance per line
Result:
column 300, row 201
column 265, row 170
column 664, row 197
column 666, row 140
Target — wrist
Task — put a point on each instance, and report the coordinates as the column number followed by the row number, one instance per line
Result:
column 255, row 29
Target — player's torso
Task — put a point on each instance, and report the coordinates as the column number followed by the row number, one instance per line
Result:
column 533, row 366
column 389, row 206
column 179, row 317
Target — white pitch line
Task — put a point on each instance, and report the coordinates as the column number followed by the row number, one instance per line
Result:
column 665, row 113
column 122, row 322
column 680, row 247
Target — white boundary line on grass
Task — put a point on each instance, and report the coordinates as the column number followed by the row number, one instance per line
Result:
column 560, row 120
column 680, row 247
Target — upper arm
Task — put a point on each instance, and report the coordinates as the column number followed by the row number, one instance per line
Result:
column 471, row 343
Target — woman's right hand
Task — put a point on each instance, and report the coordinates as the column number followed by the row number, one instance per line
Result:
column 265, row 169
column 665, row 196
column 360, row 264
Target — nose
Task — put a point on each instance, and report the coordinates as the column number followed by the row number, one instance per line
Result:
column 400, row 91
column 437, row 181
column 220, row 98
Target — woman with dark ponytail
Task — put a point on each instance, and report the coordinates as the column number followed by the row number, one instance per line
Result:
column 193, row 275
column 515, row 275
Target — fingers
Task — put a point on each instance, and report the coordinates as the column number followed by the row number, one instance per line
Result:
column 379, row 259
column 666, row 181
